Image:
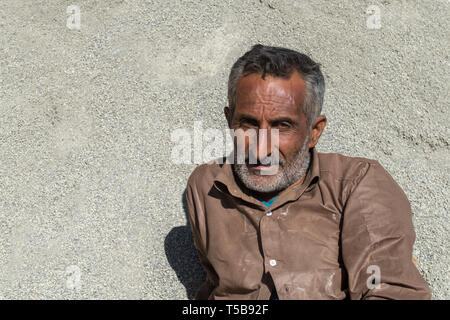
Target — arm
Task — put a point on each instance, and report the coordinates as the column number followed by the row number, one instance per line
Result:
column 206, row 288
column 378, row 234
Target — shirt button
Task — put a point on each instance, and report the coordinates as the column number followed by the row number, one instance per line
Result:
column 269, row 213
column 273, row 262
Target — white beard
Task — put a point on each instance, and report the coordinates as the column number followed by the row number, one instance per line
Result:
column 288, row 175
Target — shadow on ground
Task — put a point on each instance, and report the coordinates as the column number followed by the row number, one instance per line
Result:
column 182, row 255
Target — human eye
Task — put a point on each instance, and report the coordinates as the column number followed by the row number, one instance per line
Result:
column 248, row 123
column 282, row 125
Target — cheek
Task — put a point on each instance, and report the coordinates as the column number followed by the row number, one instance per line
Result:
column 290, row 145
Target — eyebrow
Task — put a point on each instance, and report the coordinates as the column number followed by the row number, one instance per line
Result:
column 246, row 117
column 253, row 119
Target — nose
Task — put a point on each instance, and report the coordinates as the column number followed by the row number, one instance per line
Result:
column 263, row 145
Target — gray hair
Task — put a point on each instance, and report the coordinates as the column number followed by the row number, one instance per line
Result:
column 280, row 62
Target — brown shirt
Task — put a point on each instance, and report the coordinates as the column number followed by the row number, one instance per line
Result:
column 325, row 239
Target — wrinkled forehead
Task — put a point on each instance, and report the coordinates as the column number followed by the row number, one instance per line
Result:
column 284, row 93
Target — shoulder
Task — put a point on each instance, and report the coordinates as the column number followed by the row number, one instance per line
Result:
column 367, row 174
column 202, row 177
column 343, row 167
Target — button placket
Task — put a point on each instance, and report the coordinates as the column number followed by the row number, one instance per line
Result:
column 267, row 241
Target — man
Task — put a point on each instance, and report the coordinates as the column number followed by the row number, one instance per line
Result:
column 317, row 226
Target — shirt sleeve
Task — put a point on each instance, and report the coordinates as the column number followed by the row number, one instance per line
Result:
column 195, row 211
column 377, row 239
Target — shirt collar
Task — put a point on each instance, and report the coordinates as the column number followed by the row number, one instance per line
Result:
column 225, row 179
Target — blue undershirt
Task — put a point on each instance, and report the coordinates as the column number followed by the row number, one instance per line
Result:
column 268, row 204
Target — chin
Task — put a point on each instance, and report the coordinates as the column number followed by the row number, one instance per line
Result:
column 263, row 184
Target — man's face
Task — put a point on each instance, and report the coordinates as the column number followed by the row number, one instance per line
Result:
column 272, row 103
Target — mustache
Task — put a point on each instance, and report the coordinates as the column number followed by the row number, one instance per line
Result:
column 267, row 160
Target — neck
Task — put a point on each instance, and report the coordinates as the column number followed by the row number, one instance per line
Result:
column 267, row 196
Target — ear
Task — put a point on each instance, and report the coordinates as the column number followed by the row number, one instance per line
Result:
column 227, row 113
column 316, row 130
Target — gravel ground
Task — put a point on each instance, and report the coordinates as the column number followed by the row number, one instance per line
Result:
column 91, row 205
